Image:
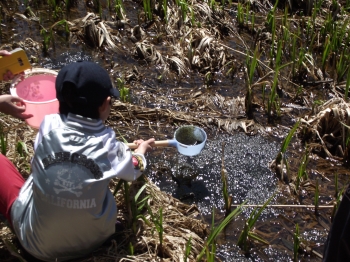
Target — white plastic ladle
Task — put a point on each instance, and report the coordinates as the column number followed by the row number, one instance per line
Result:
column 189, row 140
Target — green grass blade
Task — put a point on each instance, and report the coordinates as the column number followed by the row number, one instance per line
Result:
column 257, row 215
column 140, row 191
column 217, row 230
column 22, row 149
column 257, row 238
column 118, row 186
column 188, row 248
column 289, row 137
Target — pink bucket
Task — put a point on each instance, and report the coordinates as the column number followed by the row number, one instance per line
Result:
column 37, row 88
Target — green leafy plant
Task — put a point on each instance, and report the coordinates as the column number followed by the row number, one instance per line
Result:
column 296, row 244
column 247, row 233
column 216, row 230
column 240, row 14
column 184, row 8
column 188, row 249
column 302, row 174
column 271, row 26
column 253, row 22
column 57, row 11
column 281, row 159
column 119, row 9
column 212, row 4
column 68, row 5
column 131, row 249
column 165, row 10
column 301, row 58
column 60, row 23
column 98, row 7
column 137, row 207
column 288, row 138
column 158, row 223
column 47, row 37
column 342, row 65
column 118, row 186
column 273, row 97
column 124, row 91
column 3, row 140
column 208, row 78
column 328, row 25
column 310, row 33
column 147, row 9
column 48, row 34
column 251, row 65
column 193, row 18
column 22, row 149
column 325, row 54
column 270, row 20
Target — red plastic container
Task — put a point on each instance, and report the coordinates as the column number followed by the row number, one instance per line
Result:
column 37, row 88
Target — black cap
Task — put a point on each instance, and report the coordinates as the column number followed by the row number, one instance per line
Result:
column 92, row 82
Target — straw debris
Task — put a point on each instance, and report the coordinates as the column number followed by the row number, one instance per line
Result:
column 180, row 223
column 327, row 131
column 213, row 111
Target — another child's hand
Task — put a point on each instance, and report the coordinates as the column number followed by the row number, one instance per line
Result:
column 144, row 146
column 8, row 76
column 4, row 53
column 14, row 106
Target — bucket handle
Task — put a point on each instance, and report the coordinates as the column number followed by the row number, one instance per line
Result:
column 41, row 70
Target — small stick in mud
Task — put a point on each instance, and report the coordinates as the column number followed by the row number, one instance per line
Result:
column 285, row 206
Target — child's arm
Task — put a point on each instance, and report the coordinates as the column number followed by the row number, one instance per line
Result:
column 142, row 148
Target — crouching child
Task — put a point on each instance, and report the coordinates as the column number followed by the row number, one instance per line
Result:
column 65, row 208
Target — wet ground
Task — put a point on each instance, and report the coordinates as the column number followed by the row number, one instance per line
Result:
column 196, row 180
column 249, row 178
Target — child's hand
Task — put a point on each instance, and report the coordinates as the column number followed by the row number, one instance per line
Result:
column 144, row 146
column 14, row 106
column 4, row 52
column 8, row 76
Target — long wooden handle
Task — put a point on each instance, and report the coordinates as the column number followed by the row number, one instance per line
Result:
column 156, row 143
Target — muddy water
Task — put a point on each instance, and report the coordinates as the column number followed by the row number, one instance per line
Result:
column 197, row 180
